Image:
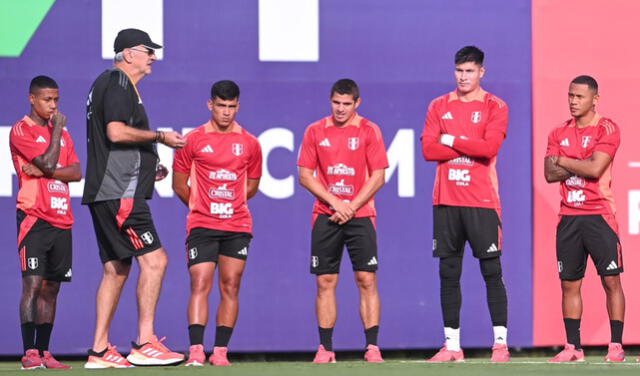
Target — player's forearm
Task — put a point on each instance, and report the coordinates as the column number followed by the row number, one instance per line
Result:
column 120, row 133
column 477, row 148
column 554, row 173
column 68, row 174
column 48, row 161
column 586, row 168
column 313, row 185
column 433, row 151
column 252, row 187
column 369, row 189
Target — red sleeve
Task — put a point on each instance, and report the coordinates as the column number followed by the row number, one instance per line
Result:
column 182, row 159
column 608, row 138
column 376, row 152
column 254, row 170
column 24, row 142
column 308, row 154
column 72, row 157
column 432, row 149
column 553, row 147
column 494, row 134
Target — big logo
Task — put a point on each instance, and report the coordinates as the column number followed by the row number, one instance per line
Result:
column 237, row 149
column 353, row 143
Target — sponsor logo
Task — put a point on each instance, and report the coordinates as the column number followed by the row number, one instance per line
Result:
column 68, row 274
column 193, row 253
column 462, row 161
column 62, row 142
column 493, row 248
column 576, row 198
column 560, row 267
column 222, row 192
column 373, row 261
column 575, row 181
column 612, row 266
column 237, row 149
column 147, row 238
column 340, row 188
column 32, row 263
column 447, row 116
column 476, row 116
column 315, row 261
column 41, row 140
column 461, row 177
column 207, row 149
column 57, row 187
column 221, row 210
column 585, row 141
column 325, row 143
column 223, row 174
column 341, row 169
column 353, row 143
column 59, row 203
column 243, row 251
column 564, row 142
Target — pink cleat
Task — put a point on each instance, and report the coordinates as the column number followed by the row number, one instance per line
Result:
column 219, row 357
column 500, row 353
column 615, row 353
column 31, row 360
column 48, row 361
column 324, row 356
column 196, row 356
column 373, row 354
column 445, row 355
column 568, row 354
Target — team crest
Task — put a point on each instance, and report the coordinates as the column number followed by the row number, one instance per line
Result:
column 237, row 149
column 193, row 253
column 585, row 141
column 476, row 116
column 315, row 261
column 353, row 143
column 147, row 238
column 32, row 262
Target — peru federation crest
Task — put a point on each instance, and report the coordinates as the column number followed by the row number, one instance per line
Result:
column 476, row 116
column 237, row 149
column 353, row 143
column 32, row 263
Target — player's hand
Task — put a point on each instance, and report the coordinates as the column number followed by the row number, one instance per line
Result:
column 343, row 212
column 161, row 172
column 32, row 171
column 58, row 120
column 174, row 140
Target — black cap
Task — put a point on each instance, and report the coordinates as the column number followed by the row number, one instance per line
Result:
column 128, row 38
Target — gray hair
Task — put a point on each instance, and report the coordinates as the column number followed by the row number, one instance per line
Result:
column 119, row 57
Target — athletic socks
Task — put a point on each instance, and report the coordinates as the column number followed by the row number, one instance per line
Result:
column 452, row 338
column 326, row 338
column 223, row 335
column 28, row 335
column 500, row 335
column 616, row 331
column 43, row 335
column 196, row 334
column 371, row 335
column 572, row 328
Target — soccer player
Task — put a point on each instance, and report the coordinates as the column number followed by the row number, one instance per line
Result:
column 580, row 156
column 222, row 161
column 347, row 154
column 121, row 169
column 463, row 132
column 45, row 161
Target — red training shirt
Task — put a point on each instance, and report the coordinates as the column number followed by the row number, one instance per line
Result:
column 343, row 158
column 47, row 199
column 219, row 165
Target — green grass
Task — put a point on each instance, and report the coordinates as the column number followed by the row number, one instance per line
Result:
column 518, row 366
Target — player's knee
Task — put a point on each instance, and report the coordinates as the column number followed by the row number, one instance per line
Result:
column 366, row 281
column 50, row 289
column 31, row 285
column 450, row 269
column 155, row 262
column 491, row 269
column 230, row 287
column 612, row 283
column 201, row 285
column 327, row 282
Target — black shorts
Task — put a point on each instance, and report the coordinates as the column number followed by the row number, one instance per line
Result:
column 124, row 229
column 44, row 250
column 579, row 236
column 453, row 226
column 329, row 238
column 204, row 245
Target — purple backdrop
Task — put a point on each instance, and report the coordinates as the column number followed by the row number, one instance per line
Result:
column 401, row 54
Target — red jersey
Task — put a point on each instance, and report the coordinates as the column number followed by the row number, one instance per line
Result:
column 343, row 158
column 47, row 199
column 219, row 165
column 466, row 173
column 583, row 196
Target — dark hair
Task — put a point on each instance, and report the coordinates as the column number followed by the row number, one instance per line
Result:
column 469, row 54
column 586, row 80
column 225, row 90
column 42, row 82
column 346, row 86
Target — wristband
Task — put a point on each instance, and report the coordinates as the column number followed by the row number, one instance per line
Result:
column 447, row 139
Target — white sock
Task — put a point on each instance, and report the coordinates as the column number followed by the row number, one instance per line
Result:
column 500, row 335
column 452, row 339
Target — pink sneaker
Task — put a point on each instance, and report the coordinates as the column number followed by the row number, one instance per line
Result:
column 31, row 360
column 111, row 359
column 48, row 361
column 568, row 354
column 500, row 353
column 154, row 353
column 615, row 353
column 445, row 355
column 373, row 354
column 324, row 356
column 219, row 357
column 196, row 356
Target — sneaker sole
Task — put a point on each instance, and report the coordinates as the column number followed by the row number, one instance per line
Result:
column 195, row 363
column 32, row 368
column 139, row 361
column 94, row 365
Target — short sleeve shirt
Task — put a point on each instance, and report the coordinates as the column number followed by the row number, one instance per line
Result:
column 343, row 159
column 44, row 198
column 219, row 165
